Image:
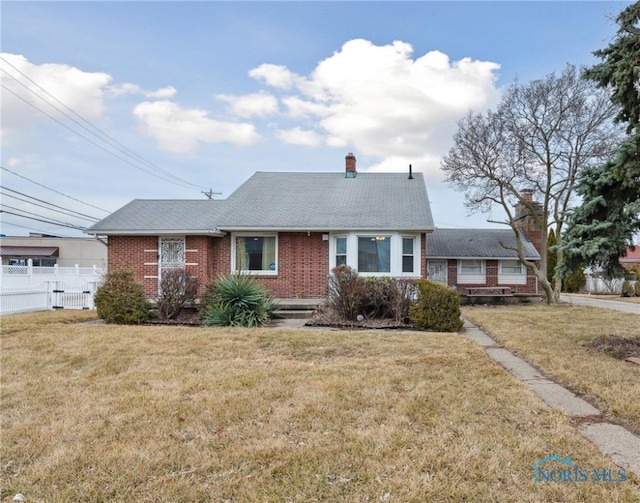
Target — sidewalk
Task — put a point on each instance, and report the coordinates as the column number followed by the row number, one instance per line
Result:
column 581, row 300
column 619, row 444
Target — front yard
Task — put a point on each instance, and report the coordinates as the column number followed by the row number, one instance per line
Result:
column 558, row 340
column 96, row 412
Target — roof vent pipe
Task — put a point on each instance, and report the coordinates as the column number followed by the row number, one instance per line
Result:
column 410, row 172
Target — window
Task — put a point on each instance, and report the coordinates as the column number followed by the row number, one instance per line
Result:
column 407, row 254
column 512, row 272
column 374, row 254
column 511, row 267
column 341, row 250
column 470, row 267
column 471, row 271
column 255, row 253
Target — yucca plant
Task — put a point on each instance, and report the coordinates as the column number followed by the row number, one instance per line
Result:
column 238, row 300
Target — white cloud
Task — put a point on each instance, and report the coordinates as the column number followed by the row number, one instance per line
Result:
column 379, row 101
column 180, row 130
column 30, row 88
column 251, row 105
column 275, row 76
column 299, row 136
column 128, row 88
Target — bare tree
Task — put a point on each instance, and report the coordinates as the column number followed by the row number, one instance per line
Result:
column 529, row 152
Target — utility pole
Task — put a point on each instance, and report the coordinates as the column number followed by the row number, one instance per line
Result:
column 210, row 193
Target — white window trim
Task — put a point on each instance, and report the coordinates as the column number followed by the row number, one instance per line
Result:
column 395, row 248
column 474, row 278
column 253, row 234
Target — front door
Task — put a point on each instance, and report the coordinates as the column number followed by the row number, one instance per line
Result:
column 172, row 255
column 437, row 271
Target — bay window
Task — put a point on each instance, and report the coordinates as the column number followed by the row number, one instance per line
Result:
column 377, row 254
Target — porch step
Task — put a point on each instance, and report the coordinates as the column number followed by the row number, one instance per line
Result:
column 296, row 309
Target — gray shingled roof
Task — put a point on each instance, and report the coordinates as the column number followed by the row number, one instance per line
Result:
column 329, row 201
column 162, row 216
column 476, row 243
column 286, row 201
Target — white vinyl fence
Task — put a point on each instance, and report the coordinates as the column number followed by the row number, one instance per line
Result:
column 595, row 283
column 28, row 288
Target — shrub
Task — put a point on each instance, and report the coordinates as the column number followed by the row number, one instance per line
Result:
column 574, row 281
column 637, row 287
column 346, row 292
column 177, row 289
column 237, row 300
column 437, row 308
column 121, row 300
column 628, row 289
column 387, row 298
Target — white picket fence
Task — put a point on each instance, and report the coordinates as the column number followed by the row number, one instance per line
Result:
column 27, row 288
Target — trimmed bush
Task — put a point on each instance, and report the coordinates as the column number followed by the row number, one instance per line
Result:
column 121, row 300
column 177, row 289
column 437, row 309
column 237, row 300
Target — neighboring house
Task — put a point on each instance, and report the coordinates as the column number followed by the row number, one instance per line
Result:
column 468, row 258
column 631, row 259
column 289, row 229
column 292, row 229
column 48, row 251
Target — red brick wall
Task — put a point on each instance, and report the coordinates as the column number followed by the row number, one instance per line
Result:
column 303, row 266
column 138, row 253
column 198, row 253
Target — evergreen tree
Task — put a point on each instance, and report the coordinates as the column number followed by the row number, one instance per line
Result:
column 604, row 225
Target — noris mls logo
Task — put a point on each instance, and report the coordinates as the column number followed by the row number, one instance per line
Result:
column 556, row 469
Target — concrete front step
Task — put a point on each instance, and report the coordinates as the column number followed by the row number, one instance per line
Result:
column 293, row 314
column 296, row 309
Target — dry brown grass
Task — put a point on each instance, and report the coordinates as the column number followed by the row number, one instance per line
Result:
column 557, row 340
column 149, row 414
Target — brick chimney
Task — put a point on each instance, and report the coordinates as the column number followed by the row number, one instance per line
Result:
column 525, row 219
column 350, row 165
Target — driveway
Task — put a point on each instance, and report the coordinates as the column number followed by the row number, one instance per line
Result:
column 624, row 307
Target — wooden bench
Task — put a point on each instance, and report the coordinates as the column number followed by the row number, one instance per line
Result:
column 501, row 292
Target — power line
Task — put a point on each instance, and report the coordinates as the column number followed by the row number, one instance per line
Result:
column 30, row 228
column 49, row 188
column 84, row 137
column 69, row 213
column 32, row 213
column 95, row 131
column 70, row 226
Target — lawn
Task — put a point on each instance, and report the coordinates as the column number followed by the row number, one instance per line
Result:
column 556, row 339
column 96, row 412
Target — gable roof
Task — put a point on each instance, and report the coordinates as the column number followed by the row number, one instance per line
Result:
column 330, row 201
column 476, row 243
column 162, row 216
column 283, row 201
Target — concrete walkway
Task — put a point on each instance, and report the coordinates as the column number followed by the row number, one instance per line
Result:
column 619, row 444
column 625, row 307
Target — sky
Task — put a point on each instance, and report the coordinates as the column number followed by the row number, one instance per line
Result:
column 106, row 102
